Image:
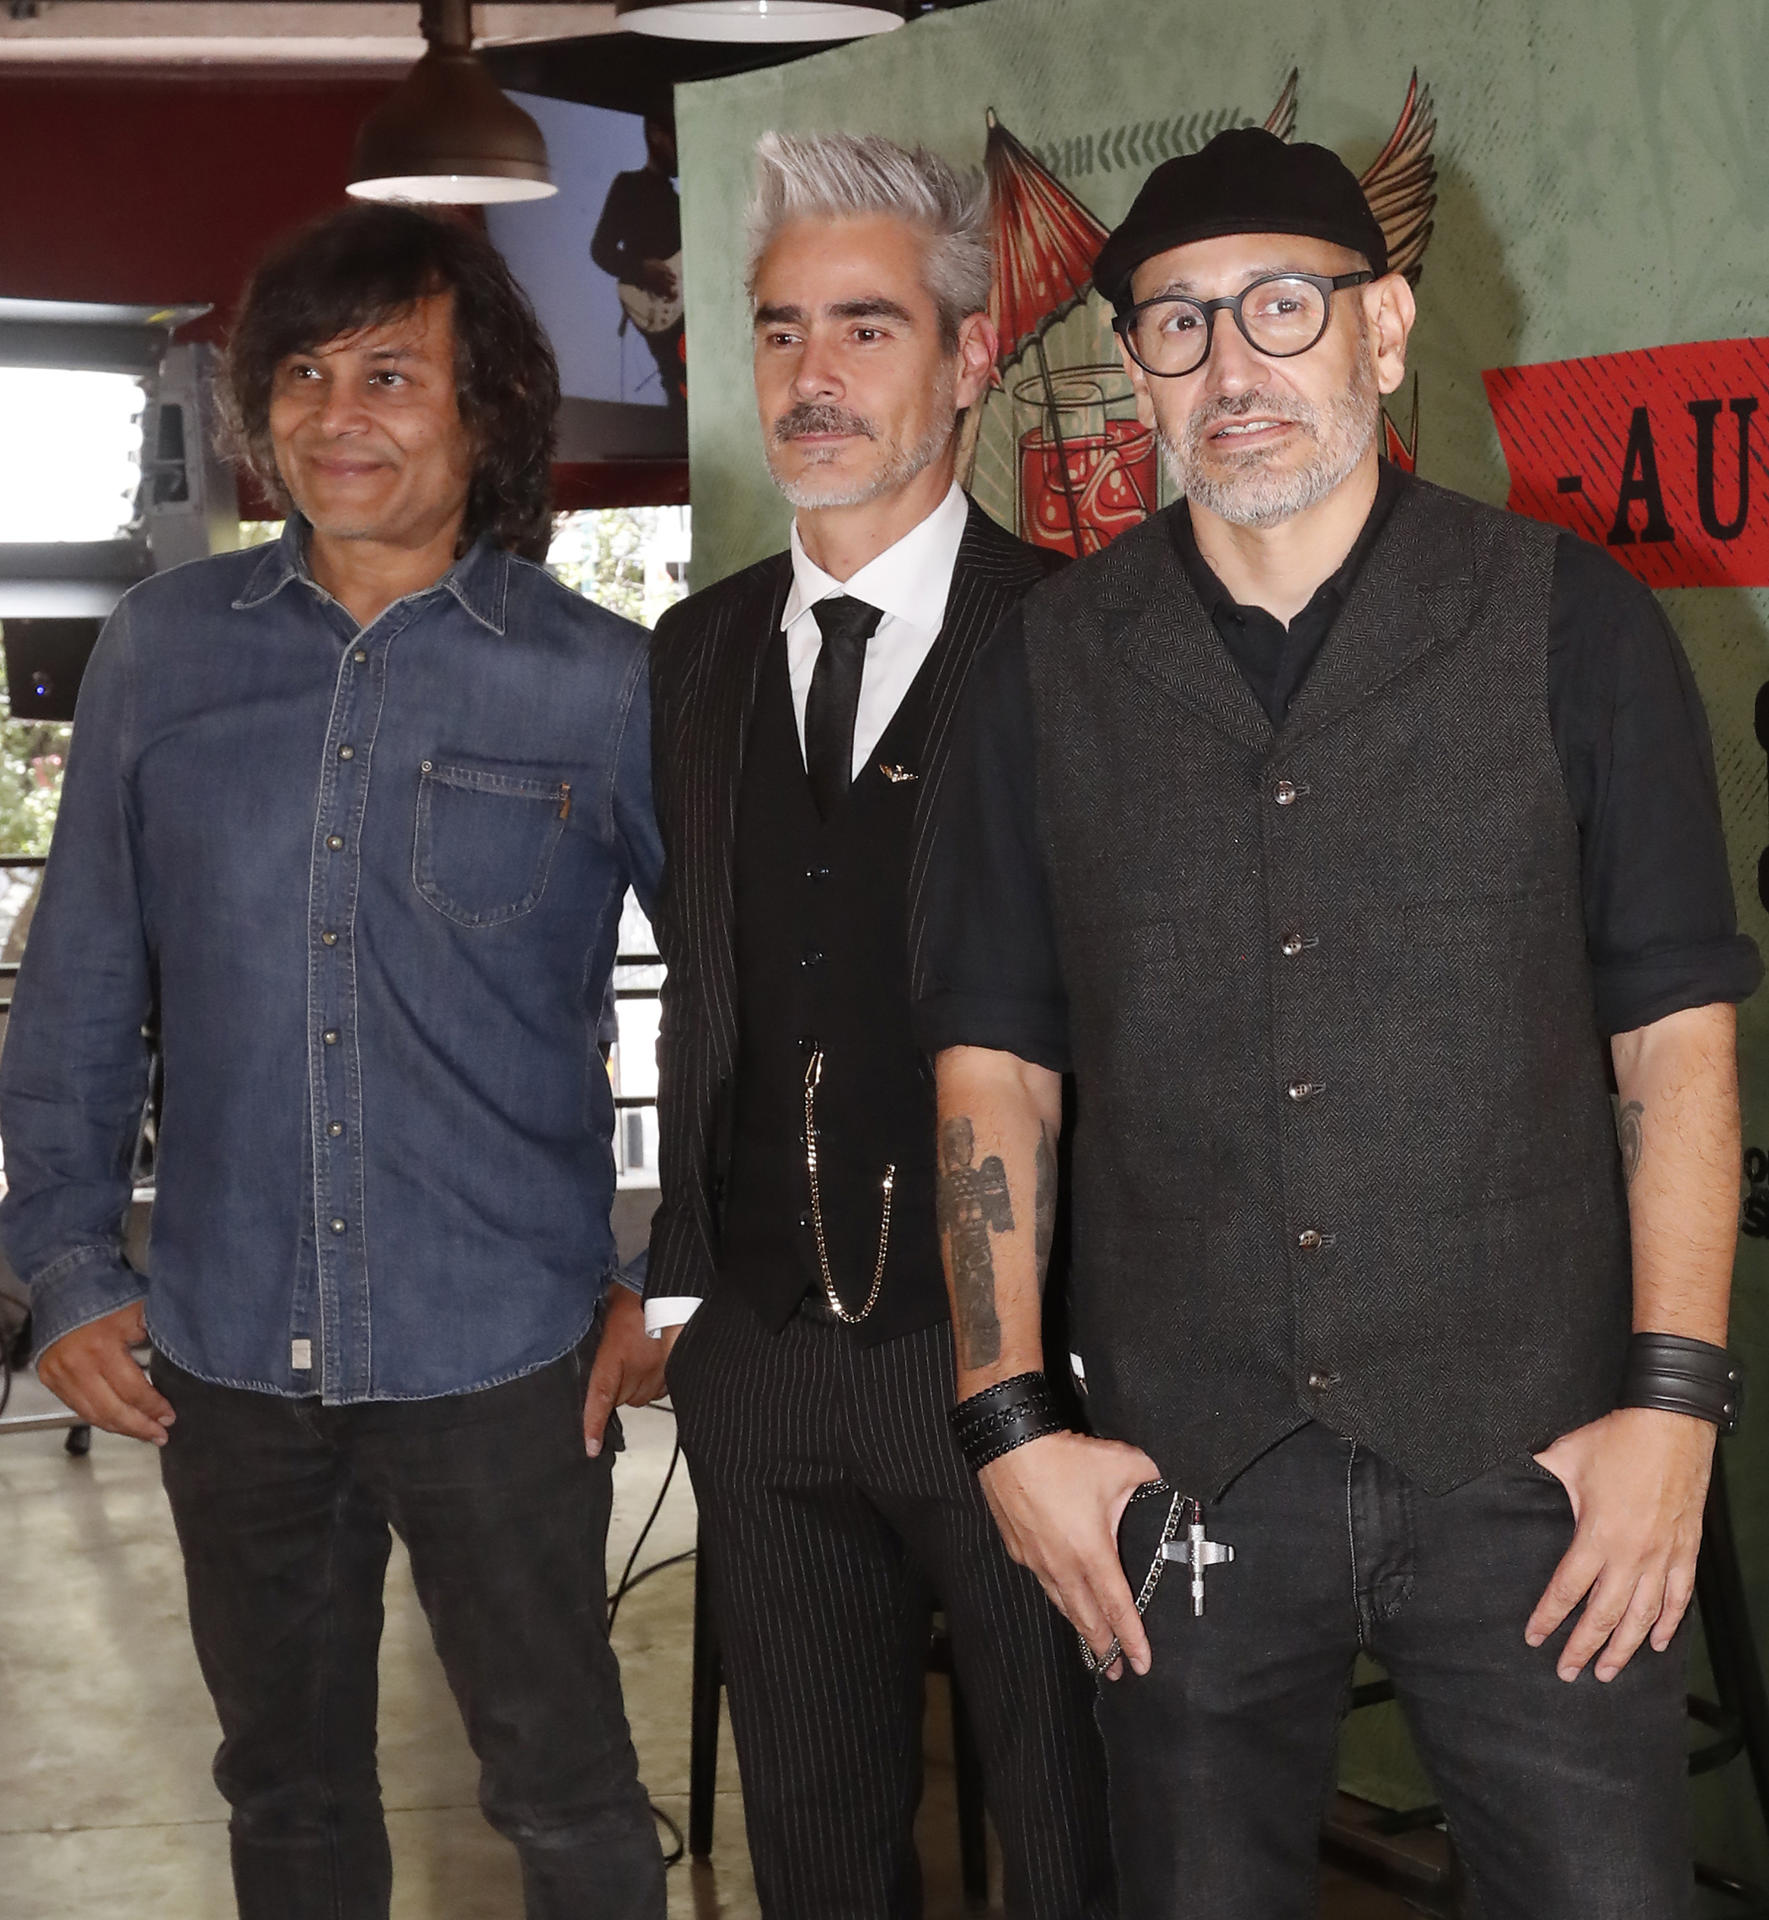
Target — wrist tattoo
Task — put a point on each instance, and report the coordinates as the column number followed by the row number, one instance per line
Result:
column 1630, row 1135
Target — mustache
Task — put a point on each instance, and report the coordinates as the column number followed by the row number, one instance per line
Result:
column 1293, row 411
column 819, row 416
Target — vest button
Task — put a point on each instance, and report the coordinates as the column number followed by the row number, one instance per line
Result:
column 1300, row 1090
column 807, row 1043
column 1284, row 793
column 811, row 957
column 1319, row 1382
column 805, row 1221
column 816, row 875
column 1308, row 1239
column 1291, row 945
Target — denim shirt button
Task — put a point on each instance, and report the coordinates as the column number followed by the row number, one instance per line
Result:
column 328, row 938
column 335, row 1129
column 338, row 1226
column 330, row 1036
column 360, row 656
column 346, row 753
column 335, row 841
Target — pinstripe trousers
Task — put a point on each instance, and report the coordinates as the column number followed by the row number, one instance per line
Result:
column 837, row 1513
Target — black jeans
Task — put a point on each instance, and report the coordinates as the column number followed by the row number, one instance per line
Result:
column 284, row 1510
column 1566, row 1802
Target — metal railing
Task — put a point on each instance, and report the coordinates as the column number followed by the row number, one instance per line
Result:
column 9, row 968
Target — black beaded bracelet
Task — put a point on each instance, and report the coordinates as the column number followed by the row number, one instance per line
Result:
column 1009, row 1414
column 1677, row 1375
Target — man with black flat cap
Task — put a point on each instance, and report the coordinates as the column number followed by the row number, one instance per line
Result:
column 1342, row 836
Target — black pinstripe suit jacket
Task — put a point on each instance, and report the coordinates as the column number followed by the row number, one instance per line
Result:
column 705, row 661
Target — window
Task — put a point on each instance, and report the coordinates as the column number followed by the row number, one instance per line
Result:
column 634, row 561
column 70, row 453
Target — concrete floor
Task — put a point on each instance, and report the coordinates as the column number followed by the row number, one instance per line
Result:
column 106, row 1734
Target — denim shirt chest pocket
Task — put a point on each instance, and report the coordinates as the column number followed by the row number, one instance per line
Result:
column 486, row 834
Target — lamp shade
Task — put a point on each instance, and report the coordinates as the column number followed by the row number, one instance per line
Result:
column 758, row 20
column 447, row 133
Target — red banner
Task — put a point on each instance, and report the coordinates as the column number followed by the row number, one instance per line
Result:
column 1658, row 456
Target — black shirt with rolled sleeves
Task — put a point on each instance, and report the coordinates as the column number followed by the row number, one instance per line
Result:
column 1628, row 729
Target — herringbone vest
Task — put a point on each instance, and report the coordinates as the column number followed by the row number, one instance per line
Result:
column 1344, row 1147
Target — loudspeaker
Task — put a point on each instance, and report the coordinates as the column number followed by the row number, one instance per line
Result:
column 45, row 660
column 189, row 499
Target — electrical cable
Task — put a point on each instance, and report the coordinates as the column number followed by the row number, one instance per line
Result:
column 681, row 1846
column 627, row 1580
column 626, row 1583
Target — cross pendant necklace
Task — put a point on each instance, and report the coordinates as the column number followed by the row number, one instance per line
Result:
column 1197, row 1551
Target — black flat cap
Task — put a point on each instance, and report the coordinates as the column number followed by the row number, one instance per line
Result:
column 1245, row 181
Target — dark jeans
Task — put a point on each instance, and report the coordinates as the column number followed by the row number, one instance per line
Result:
column 285, row 1510
column 1566, row 1802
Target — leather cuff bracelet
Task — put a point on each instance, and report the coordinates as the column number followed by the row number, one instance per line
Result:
column 1007, row 1415
column 1678, row 1375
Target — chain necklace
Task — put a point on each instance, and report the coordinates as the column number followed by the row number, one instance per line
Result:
column 813, row 1075
column 1178, row 1513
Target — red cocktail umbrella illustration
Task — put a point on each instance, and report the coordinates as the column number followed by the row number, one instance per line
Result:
column 1045, row 245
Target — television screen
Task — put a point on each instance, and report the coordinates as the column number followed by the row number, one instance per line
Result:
column 601, row 260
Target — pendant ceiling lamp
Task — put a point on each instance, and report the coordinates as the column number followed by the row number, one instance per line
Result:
column 447, row 133
column 758, row 20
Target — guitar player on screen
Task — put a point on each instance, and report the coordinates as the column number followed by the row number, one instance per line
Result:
column 639, row 241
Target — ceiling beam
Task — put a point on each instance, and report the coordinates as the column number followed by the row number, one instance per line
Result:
column 209, row 36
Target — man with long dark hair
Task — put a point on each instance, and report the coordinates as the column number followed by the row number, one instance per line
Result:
column 350, row 819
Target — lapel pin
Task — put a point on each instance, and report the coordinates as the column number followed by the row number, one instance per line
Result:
column 896, row 775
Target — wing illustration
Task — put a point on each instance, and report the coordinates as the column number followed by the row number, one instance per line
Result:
column 1282, row 118
column 1401, row 182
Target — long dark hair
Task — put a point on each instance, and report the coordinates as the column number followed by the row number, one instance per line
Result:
column 365, row 264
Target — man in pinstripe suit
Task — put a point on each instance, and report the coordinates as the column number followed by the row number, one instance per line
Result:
column 801, row 714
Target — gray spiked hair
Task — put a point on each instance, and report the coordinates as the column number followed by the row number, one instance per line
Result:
column 836, row 176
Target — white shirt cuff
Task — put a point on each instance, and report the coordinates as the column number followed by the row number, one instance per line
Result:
column 673, row 1310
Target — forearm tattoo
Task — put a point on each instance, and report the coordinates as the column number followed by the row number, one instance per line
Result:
column 1629, row 1132
column 1044, row 1205
column 973, row 1205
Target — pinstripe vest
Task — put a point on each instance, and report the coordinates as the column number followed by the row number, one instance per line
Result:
column 823, row 967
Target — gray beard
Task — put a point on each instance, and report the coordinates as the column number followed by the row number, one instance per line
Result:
column 900, row 466
column 1262, row 496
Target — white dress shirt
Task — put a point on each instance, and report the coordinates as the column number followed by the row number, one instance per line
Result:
column 909, row 584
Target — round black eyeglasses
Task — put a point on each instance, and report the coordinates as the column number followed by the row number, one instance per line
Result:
column 1280, row 316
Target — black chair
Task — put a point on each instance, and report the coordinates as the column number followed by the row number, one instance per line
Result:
column 1373, row 1848
column 703, row 1744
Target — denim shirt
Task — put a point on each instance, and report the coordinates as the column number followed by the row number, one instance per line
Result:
column 368, row 883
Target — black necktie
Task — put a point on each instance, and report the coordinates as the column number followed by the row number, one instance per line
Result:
column 846, row 625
